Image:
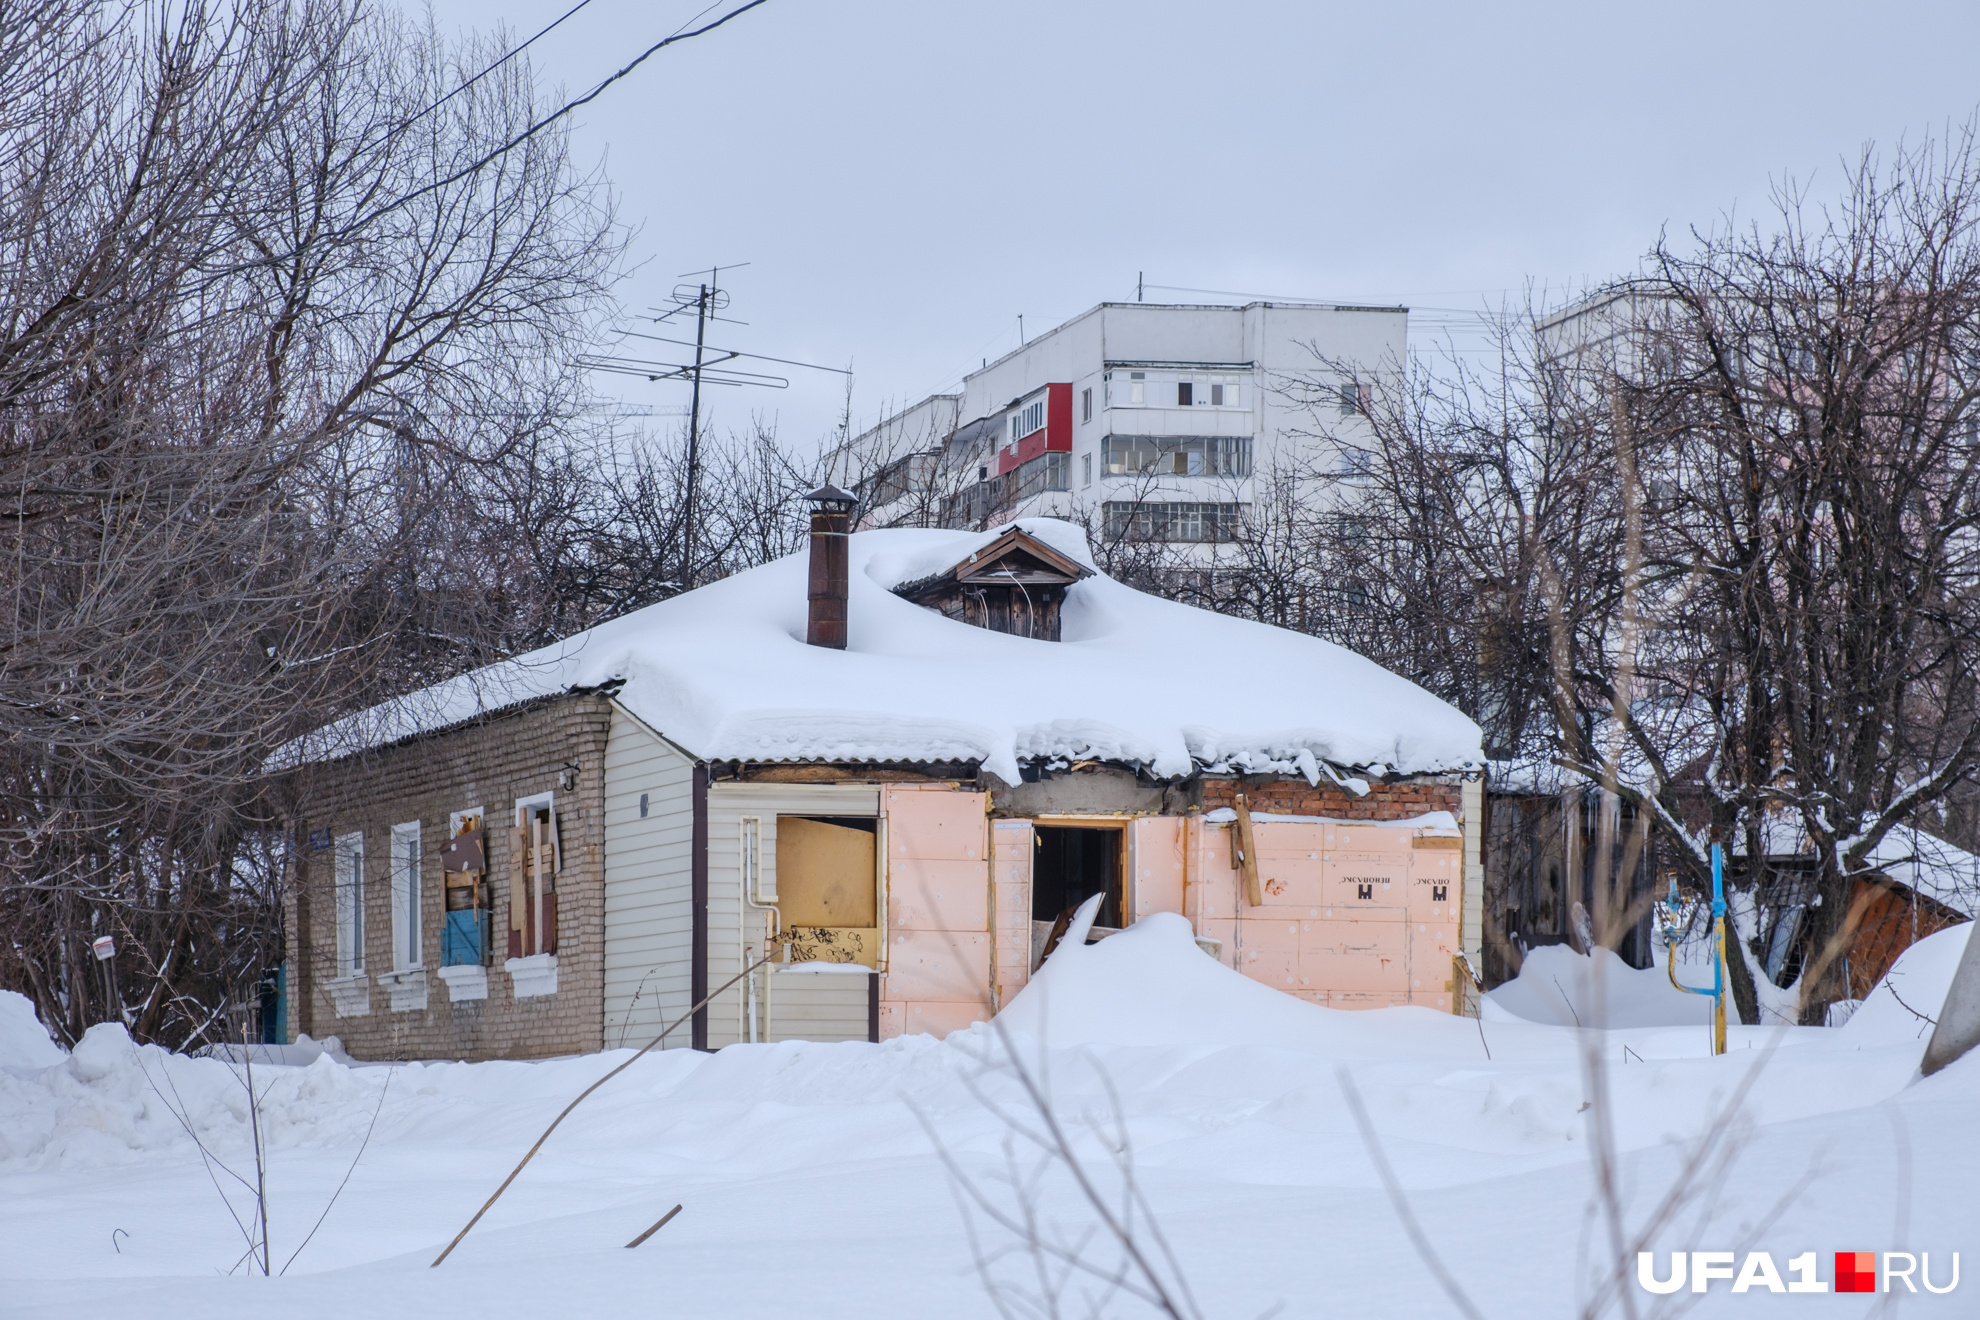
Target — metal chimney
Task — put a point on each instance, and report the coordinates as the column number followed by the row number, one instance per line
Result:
column 831, row 524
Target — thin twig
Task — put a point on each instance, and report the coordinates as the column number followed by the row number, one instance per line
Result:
column 658, row 1224
column 375, row 1109
column 580, row 1100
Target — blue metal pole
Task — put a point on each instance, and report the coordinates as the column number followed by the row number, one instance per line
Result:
column 1719, row 947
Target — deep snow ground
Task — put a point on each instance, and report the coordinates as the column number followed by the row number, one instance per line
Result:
column 811, row 1187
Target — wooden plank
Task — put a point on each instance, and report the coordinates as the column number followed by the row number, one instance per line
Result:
column 1245, row 858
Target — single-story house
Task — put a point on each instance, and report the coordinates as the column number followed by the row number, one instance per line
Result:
column 890, row 766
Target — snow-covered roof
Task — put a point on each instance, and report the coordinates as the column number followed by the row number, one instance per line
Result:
column 1931, row 866
column 724, row 672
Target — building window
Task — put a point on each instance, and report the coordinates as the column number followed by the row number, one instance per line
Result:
column 1356, row 398
column 1185, row 522
column 1191, row 389
column 350, row 904
column 1086, row 470
column 1176, row 455
column 406, row 897
column 1086, row 404
column 1027, row 420
column 977, row 503
column 1046, row 472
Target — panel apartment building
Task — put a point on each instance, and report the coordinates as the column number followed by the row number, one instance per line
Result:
column 1157, row 421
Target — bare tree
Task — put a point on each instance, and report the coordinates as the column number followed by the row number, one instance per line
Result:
column 1706, row 544
column 243, row 335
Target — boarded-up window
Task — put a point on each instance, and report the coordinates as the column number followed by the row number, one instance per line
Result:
column 533, row 883
column 826, row 892
column 464, row 865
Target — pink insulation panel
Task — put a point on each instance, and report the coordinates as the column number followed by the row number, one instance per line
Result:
column 1354, row 916
column 939, row 919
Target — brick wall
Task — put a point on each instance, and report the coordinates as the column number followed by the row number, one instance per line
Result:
column 488, row 765
column 1398, row 800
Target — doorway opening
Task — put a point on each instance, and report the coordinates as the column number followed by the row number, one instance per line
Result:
column 1071, row 863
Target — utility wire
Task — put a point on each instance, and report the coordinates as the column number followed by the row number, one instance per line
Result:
column 504, row 60
column 552, row 117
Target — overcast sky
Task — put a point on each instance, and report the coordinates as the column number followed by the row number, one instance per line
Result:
column 907, row 179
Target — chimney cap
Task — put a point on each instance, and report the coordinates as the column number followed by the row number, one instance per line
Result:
column 830, row 494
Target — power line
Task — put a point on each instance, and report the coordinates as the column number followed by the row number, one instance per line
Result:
column 504, row 60
column 760, row 357
column 553, row 116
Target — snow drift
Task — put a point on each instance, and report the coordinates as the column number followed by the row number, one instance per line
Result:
column 1562, row 988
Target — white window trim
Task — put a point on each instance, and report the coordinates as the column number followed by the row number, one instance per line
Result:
column 536, row 974
column 1020, row 430
column 408, row 935
column 348, row 902
column 525, row 805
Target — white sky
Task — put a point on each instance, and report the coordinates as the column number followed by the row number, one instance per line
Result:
column 907, row 179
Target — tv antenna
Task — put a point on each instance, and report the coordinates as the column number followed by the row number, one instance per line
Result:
column 700, row 292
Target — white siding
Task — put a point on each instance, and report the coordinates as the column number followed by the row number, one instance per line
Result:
column 1471, row 927
column 789, row 1007
column 649, row 918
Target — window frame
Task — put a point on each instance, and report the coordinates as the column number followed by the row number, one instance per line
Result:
column 1027, row 419
column 347, row 850
column 1085, row 405
column 408, row 896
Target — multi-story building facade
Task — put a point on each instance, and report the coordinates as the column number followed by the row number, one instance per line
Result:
column 1159, row 421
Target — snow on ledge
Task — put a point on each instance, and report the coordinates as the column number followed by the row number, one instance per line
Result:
column 1433, row 822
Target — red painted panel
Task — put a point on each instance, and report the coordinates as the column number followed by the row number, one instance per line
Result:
column 1058, row 417
column 1057, row 433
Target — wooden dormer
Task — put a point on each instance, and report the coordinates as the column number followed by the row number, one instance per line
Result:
column 1014, row 585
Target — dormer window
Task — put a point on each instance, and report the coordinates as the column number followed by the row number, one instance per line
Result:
column 1016, row 585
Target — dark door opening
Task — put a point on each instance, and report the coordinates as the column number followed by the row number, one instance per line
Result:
column 1072, row 863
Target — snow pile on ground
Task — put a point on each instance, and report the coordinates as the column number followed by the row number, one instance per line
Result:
column 1151, row 985
column 24, row 1042
column 111, row 1102
column 811, row 1180
column 724, row 672
column 1904, row 1004
column 1563, row 988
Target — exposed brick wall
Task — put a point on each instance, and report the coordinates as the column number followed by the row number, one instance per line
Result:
column 488, row 765
column 1397, row 800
